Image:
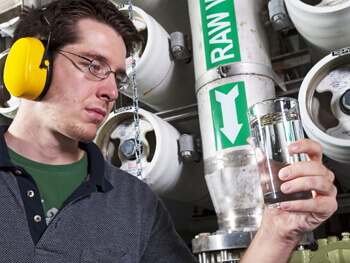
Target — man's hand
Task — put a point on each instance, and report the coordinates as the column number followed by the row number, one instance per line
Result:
column 281, row 229
column 305, row 215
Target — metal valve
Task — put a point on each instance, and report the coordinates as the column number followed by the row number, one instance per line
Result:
column 179, row 46
column 344, row 102
column 128, row 149
column 188, row 148
column 278, row 15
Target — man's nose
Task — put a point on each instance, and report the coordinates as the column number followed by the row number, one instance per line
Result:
column 108, row 89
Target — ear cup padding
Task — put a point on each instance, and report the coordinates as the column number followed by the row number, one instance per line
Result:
column 23, row 76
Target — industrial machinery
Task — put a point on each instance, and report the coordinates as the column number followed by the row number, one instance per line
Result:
column 330, row 249
column 203, row 63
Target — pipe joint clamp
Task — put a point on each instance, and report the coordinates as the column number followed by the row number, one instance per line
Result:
column 242, row 68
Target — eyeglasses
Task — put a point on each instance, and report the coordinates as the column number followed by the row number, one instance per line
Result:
column 101, row 70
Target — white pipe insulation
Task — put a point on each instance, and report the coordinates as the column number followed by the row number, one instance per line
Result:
column 325, row 110
column 162, row 167
column 232, row 72
column 324, row 24
column 163, row 83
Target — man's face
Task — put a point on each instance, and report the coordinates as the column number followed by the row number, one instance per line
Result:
column 77, row 103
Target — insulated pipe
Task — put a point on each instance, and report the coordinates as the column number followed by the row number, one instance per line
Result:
column 162, row 167
column 163, row 82
column 9, row 27
column 323, row 23
column 323, row 109
column 327, row 124
column 232, row 72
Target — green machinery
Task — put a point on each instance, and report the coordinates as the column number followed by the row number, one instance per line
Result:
column 330, row 250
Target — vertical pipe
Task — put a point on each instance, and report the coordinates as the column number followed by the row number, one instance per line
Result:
column 228, row 38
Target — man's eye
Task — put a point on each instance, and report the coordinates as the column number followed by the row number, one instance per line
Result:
column 95, row 67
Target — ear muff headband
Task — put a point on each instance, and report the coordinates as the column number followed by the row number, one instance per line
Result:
column 24, row 76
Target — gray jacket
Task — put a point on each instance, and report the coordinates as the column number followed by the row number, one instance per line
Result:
column 111, row 217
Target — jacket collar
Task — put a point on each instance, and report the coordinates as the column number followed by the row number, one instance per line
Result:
column 96, row 162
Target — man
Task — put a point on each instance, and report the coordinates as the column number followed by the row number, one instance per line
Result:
column 59, row 200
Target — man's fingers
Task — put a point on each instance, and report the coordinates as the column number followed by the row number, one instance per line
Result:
column 320, row 184
column 322, row 207
column 302, row 169
column 311, row 148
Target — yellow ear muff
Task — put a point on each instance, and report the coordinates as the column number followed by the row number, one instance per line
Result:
column 24, row 76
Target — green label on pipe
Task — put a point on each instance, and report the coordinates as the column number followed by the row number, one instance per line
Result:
column 229, row 113
column 219, row 32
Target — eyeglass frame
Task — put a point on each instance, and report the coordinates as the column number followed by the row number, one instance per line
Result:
column 125, row 84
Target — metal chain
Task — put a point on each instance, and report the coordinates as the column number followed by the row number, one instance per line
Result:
column 135, row 104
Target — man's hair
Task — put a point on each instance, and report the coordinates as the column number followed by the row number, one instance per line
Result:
column 61, row 17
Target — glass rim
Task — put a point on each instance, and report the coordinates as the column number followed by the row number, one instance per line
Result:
column 272, row 100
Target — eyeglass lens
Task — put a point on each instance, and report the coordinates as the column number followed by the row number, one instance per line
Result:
column 102, row 70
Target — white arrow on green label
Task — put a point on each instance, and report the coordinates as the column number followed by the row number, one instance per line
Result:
column 230, row 121
column 229, row 113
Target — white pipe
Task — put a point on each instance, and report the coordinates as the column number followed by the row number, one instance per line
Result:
column 325, row 26
column 162, row 167
column 163, row 83
column 9, row 26
column 329, row 74
column 230, row 33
